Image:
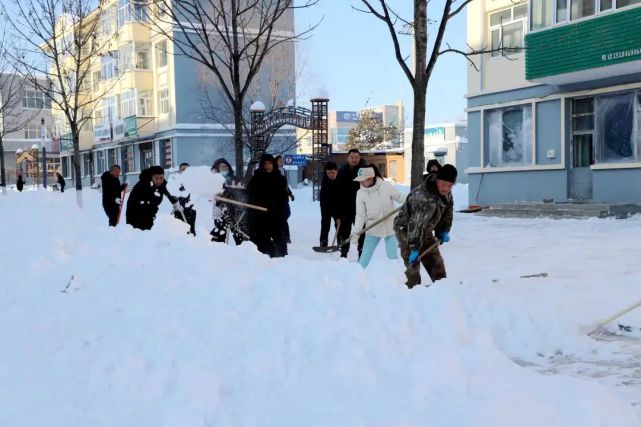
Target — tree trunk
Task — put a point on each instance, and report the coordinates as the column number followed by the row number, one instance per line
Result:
column 3, row 176
column 238, row 138
column 75, row 134
column 420, row 92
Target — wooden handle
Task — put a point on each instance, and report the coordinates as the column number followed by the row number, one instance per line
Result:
column 237, row 203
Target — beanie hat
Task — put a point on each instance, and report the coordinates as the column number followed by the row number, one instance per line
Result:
column 156, row 170
column 447, row 173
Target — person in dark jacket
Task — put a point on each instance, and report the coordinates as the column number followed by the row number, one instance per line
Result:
column 61, row 182
column 146, row 197
column 329, row 202
column 228, row 217
column 433, row 166
column 424, row 220
column 267, row 188
column 20, row 183
column 347, row 192
column 111, row 193
column 280, row 161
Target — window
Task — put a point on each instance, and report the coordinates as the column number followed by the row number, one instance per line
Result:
column 100, row 164
column 109, row 65
column 509, row 134
column 35, row 99
column 108, row 110
column 107, row 22
column 143, row 53
column 128, row 159
column 507, row 30
column 131, row 11
column 161, row 53
column 95, row 80
column 32, row 131
column 163, row 101
column 162, row 8
column 146, row 155
column 581, row 8
column 128, row 105
column 145, row 104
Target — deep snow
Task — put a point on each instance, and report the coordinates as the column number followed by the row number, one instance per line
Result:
column 162, row 329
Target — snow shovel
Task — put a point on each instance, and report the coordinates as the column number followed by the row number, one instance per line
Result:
column 122, row 202
column 615, row 316
column 413, row 271
column 237, row 203
column 333, row 248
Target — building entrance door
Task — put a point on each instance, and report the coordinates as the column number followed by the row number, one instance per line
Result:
column 582, row 149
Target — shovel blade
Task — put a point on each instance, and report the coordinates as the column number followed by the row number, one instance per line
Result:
column 326, row 249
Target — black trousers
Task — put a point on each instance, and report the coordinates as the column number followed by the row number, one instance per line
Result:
column 111, row 209
column 190, row 216
column 344, row 233
column 326, row 225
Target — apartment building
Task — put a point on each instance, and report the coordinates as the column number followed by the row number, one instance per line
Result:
column 28, row 115
column 158, row 104
column 560, row 119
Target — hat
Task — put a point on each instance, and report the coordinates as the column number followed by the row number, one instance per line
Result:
column 430, row 163
column 447, row 173
column 156, row 170
column 364, row 173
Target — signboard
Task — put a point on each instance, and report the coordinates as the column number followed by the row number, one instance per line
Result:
column 295, row 159
column 66, row 142
column 101, row 133
column 347, row 116
column 438, row 132
column 131, row 126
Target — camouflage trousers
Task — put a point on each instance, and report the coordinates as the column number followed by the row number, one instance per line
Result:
column 432, row 261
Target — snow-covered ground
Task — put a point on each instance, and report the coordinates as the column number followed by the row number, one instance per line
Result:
column 117, row 327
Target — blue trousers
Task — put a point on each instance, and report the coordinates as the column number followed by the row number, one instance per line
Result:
column 370, row 245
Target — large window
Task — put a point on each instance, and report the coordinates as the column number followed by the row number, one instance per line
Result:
column 35, row 99
column 161, row 54
column 108, row 110
column 109, row 65
column 128, row 105
column 145, row 104
column 509, row 134
column 131, row 11
column 163, row 101
column 143, row 54
column 507, row 30
column 543, row 10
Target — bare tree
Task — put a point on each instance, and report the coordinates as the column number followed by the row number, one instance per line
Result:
column 12, row 116
column 61, row 44
column 370, row 132
column 280, row 88
column 424, row 63
column 231, row 38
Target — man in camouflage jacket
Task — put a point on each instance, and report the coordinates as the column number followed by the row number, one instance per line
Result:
column 425, row 219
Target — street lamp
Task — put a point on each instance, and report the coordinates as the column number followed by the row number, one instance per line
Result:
column 34, row 154
column 43, row 135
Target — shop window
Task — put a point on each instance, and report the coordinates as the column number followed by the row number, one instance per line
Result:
column 617, row 140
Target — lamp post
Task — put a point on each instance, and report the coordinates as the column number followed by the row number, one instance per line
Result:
column 43, row 135
column 34, row 154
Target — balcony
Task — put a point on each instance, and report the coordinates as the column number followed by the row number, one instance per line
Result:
column 596, row 47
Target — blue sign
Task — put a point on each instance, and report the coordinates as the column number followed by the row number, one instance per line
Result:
column 295, row 159
column 435, row 132
column 347, row 116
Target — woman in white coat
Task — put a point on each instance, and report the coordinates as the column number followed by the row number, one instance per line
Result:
column 374, row 200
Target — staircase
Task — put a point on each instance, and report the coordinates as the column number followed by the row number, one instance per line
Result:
column 561, row 210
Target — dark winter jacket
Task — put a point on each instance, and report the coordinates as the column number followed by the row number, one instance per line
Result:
column 348, row 189
column 425, row 211
column 20, row 183
column 111, row 189
column 61, row 182
column 230, row 178
column 144, row 200
column 330, row 201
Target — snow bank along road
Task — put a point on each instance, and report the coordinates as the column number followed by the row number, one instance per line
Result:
column 105, row 327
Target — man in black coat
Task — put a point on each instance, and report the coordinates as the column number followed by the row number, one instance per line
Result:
column 268, row 188
column 330, row 202
column 61, row 182
column 20, row 183
column 348, row 189
column 111, row 193
column 146, row 197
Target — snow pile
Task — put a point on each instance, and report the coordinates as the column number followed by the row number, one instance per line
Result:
column 199, row 181
column 107, row 327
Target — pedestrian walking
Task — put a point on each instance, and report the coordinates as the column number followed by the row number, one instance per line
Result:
column 20, row 183
column 61, row 182
column 329, row 202
column 348, row 189
column 146, row 197
column 112, row 193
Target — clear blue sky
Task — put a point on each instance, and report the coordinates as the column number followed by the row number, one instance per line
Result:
column 351, row 56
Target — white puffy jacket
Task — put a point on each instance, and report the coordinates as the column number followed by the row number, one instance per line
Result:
column 373, row 203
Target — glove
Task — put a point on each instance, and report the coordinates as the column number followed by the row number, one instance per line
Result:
column 413, row 257
column 178, row 207
column 117, row 201
column 443, row 236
